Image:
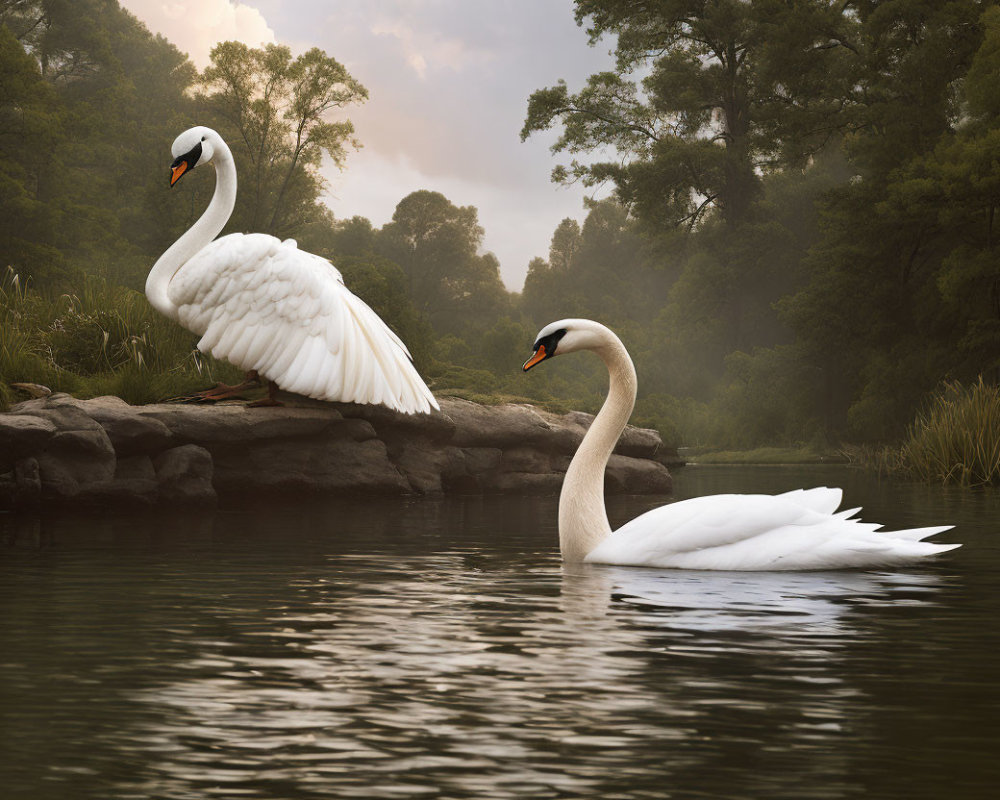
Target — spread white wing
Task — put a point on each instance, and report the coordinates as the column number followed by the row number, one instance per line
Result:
column 265, row 305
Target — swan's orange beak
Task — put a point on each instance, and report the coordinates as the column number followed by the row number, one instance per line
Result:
column 538, row 356
column 176, row 172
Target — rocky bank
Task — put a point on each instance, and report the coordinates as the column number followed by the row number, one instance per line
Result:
column 59, row 450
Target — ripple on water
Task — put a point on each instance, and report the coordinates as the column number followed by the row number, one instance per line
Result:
column 440, row 650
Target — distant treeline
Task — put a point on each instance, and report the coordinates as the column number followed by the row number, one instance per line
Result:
column 799, row 249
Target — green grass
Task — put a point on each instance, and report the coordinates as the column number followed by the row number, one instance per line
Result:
column 102, row 339
column 500, row 398
column 766, row 455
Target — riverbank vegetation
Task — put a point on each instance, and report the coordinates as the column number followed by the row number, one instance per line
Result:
column 799, row 251
column 771, row 456
column 101, row 339
column 955, row 438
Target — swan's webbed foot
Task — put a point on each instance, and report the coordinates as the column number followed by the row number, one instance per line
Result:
column 223, row 391
column 270, row 401
column 265, row 402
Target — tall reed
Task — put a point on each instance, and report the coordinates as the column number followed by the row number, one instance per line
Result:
column 955, row 439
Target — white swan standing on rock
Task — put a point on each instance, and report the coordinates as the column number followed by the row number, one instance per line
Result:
column 273, row 309
column 799, row 530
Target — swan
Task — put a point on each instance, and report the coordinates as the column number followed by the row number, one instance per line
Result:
column 797, row 530
column 272, row 309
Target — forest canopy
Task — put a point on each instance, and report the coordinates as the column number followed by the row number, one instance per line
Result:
column 799, row 246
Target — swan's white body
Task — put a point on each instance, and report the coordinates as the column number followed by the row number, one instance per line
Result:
column 799, row 530
column 795, row 531
column 265, row 305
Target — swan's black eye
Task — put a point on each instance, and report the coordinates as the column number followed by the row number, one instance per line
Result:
column 550, row 342
column 544, row 348
column 189, row 159
column 203, row 138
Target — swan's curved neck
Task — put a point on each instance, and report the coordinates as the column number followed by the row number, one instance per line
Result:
column 208, row 226
column 583, row 521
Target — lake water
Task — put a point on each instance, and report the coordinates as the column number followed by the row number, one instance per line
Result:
column 438, row 649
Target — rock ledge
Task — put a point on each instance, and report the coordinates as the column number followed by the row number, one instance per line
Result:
column 60, row 450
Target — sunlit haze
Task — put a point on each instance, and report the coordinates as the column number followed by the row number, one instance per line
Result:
column 448, row 84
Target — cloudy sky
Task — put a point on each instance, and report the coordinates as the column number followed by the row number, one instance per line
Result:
column 448, row 83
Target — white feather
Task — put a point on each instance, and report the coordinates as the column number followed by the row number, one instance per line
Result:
column 264, row 304
column 797, row 530
column 301, row 328
column 758, row 532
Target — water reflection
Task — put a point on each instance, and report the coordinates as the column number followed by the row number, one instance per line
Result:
column 461, row 684
column 780, row 603
column 441, row 650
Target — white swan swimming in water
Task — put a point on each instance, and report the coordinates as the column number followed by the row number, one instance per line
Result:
column 266, row 306
column 798, row 530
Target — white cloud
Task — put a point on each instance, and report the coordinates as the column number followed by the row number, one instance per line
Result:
column 424, row 47
column 196, row 26
column 449, row 82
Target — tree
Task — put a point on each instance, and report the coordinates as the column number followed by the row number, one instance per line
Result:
column 69, row 39
column 30, row 133
column 546, row 282
column 354, row 237
column 602, row 270
column 731, row 89
column 106, row 98
column 565, row 245
column 274, row 110
column 909, row 89
column 899, row 279
column 964, row 168
column 437, row 244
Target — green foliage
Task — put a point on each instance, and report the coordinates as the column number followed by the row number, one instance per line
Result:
column 729, row 88
column 601, row 270
column 353, row 237
column 802, row 242
column 88, row 99
column 908, row 90
column 501, row 345
column 274, row 111
column 460, row 381
column 103, row 340
column 768, row 455
column 849, row 153
column 677, row 419
column 22, row 351
column 769, row 397
column 982, row 90
column 955, row 439
column 437, row 245
column 29, row 134
column 903, row 274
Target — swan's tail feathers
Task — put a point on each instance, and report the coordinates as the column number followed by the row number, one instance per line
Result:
column 914, row 549
column 847, row 514
column 907, row 546
column 894, row 553
column 822, row 499
column 941, row 548
column 919, row 534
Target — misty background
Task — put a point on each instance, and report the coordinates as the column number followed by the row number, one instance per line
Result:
column 785, row 210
